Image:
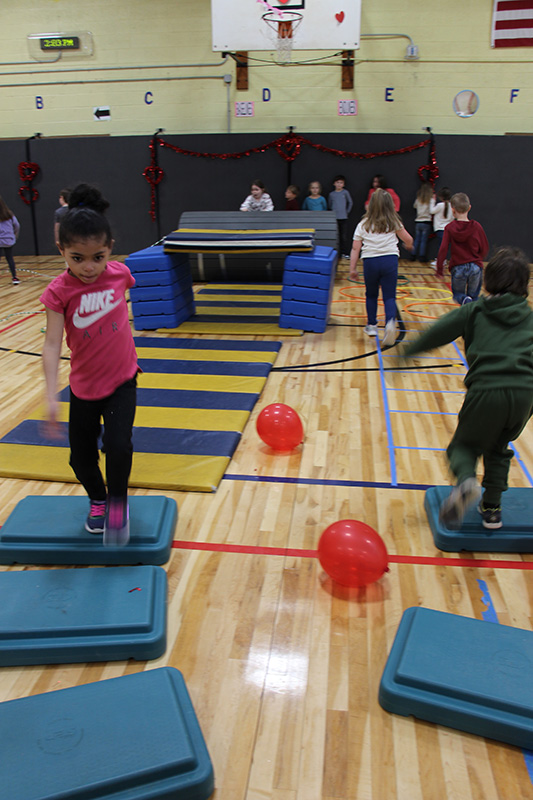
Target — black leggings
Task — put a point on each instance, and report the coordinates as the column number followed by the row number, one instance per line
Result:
column 118, row 412
column 10, row 260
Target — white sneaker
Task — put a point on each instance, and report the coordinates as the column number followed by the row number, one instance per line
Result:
column 389, row 336
column 371, row 330
column 434, row 263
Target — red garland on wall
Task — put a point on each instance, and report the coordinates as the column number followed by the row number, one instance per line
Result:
column 28, row 171
column 288, row 147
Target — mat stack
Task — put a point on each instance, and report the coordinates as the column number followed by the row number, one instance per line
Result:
column 307, row 289
column 162, row 296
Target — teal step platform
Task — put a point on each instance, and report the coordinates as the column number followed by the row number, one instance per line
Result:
column 130, row 738
column 44, row 529
column 67, row 616
column 464, row 673
column 515, row 536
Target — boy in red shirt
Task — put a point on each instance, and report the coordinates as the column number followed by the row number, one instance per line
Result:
column 469, row 246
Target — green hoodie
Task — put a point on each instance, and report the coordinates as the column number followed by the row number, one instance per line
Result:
column 498, row 334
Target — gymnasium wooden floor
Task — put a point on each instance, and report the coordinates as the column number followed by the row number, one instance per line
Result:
column 283, row 666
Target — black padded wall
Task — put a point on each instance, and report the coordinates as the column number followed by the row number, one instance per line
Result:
column 490, row 169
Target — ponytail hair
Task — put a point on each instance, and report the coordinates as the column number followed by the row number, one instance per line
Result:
column 85, row 218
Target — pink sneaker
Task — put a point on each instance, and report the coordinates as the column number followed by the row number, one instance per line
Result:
column 117, row 522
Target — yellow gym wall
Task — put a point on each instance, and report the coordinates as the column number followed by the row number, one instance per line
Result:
column 453, row 37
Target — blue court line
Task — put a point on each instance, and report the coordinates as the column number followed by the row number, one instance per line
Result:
column 511, row 444
column 404, row 447
column 423, row 372
column 429, row 391
column 490, row 615
column 440, row 413
column 327, row 482
column 390, row 441
column 428, row 358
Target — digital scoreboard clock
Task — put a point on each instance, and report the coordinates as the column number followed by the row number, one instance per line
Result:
column 60, row 43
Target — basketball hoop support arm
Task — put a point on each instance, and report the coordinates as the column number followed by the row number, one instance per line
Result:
column 241, row 63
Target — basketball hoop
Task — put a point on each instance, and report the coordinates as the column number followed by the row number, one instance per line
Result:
column 282, row 28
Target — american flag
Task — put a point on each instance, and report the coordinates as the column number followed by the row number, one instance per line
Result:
column 512, row 23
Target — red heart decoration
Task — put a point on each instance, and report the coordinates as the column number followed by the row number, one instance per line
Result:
column 28, row 195
column 283, row 1
column 153, row 175
column 28, row 170
column 288, row 149
column 340, row 16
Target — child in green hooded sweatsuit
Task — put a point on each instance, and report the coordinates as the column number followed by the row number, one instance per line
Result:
column 498, row 335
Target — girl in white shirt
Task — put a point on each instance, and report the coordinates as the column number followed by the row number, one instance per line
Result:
column 441, row 210
column 377, row 235
column 258, row 199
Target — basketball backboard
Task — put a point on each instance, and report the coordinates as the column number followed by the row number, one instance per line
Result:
column 324, row 24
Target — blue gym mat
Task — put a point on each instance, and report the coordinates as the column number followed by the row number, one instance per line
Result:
column 463, row 673
column 64, row 616
column 515, row 536
column 194, row 398
column 45, row 529
column 130, row 738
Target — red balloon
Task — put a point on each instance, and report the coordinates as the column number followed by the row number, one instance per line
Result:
column 352, row 553
column 280, row 427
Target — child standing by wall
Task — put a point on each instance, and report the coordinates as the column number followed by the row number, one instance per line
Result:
column 314, row 201
column 379, row 182
column 468, row 243
column 258, row 199
column 441, row 210
column 9, row 231
column 377, row 234
column 340, row 201
column 60, row 211
column 498, row 337
column 88, row 300
column 422, row 222
column 291, row 198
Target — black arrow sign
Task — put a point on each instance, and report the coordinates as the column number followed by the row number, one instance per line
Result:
column 102, row 113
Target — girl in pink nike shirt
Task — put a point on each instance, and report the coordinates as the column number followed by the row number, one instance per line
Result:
column 88, row 301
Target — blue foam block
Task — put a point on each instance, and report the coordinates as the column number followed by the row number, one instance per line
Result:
column 130, row 738
column 146, row 308
column 463, row 673
column 166, row 292
column 515, row 536
column 321, row 259
column 156, row 321
column 157, row 278
column 306, row 294
column 63, row 616
column 313, row 280
column 153, row 258
column 43, row 529
column 302, row 323
column 303, row 309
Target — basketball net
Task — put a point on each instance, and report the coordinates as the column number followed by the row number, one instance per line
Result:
column 281, row 32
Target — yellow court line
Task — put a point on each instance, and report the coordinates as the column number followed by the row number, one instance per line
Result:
column 179, row 354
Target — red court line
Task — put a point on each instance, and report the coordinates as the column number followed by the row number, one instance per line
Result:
column 398, row 559
column 19, row 321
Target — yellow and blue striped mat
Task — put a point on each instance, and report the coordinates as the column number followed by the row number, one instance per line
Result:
column 194, row 398
column 248, row 309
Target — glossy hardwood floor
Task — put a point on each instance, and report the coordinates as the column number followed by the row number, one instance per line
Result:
column 282, row 665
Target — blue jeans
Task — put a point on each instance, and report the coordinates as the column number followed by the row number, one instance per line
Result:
column 422, row 231
column 380, row 271
column 466, row 281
